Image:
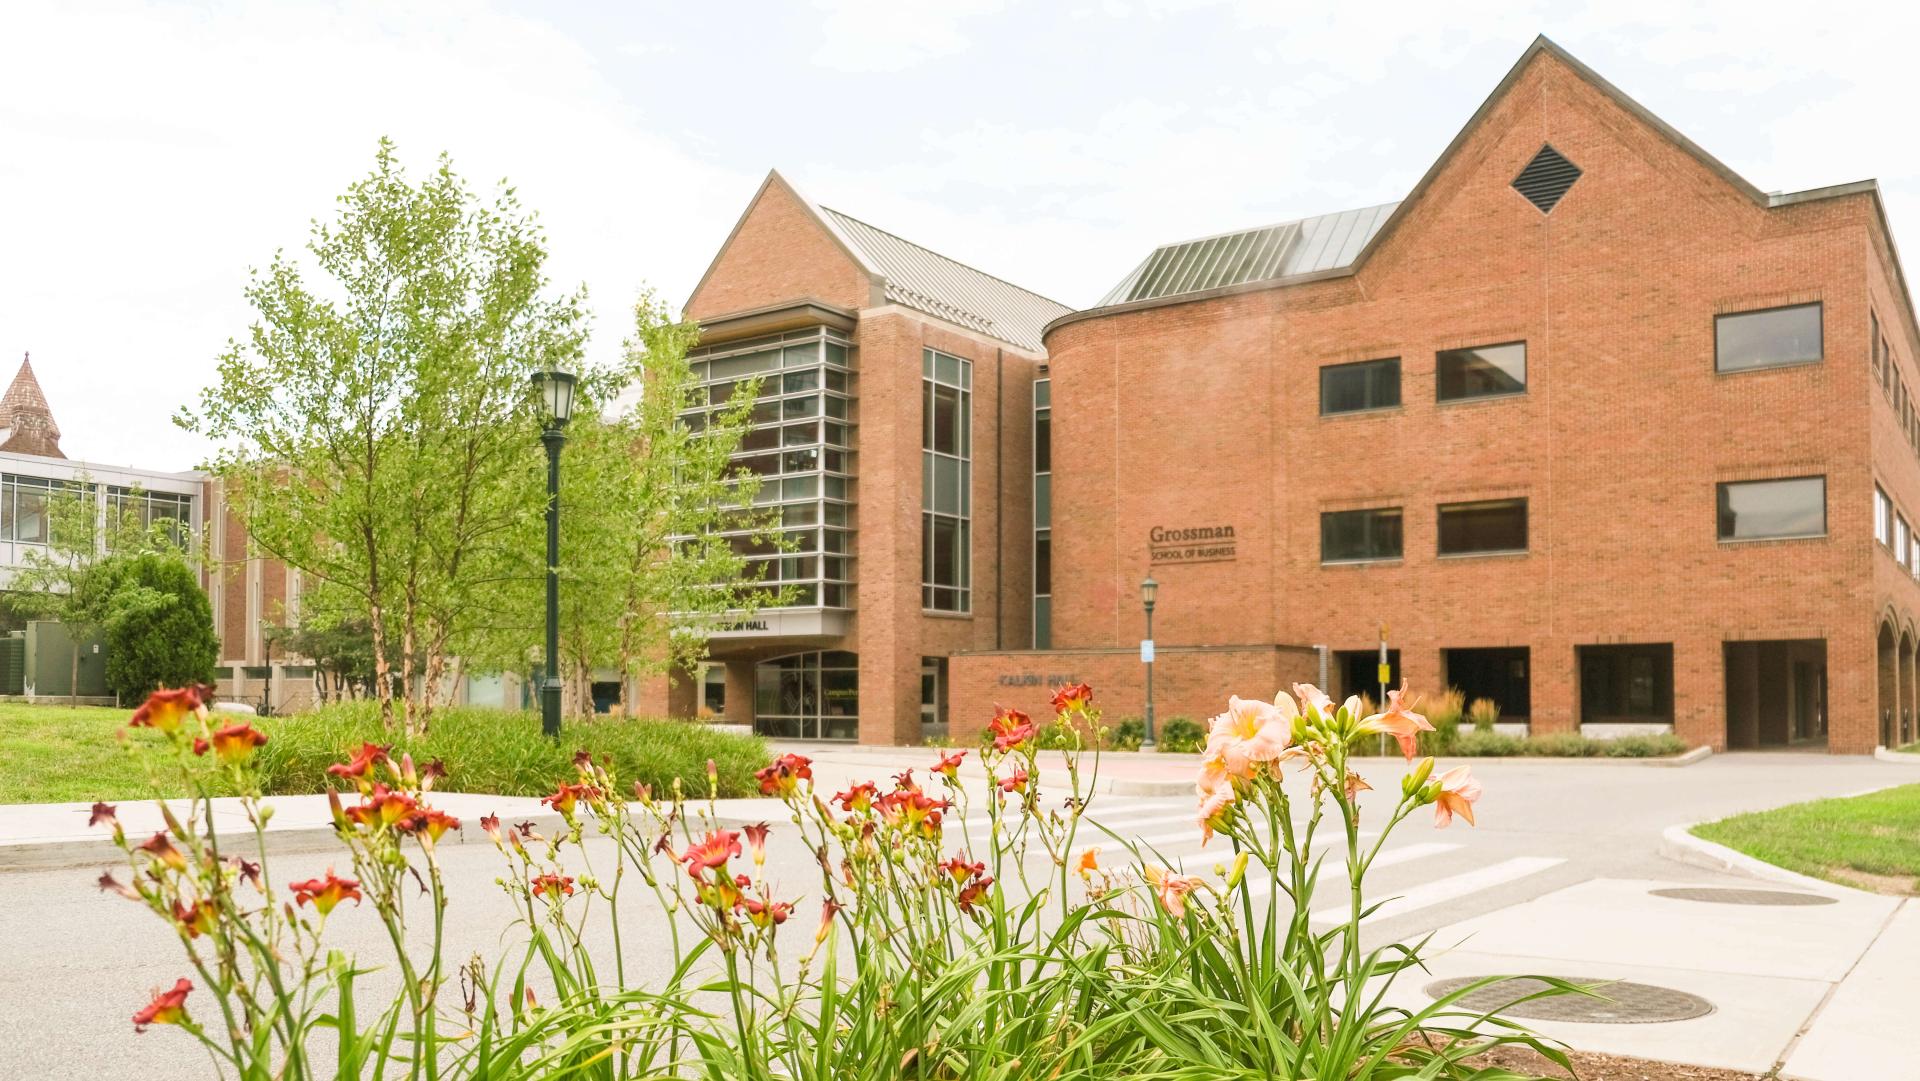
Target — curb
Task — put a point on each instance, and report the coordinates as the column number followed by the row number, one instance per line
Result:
column 1679, row 844
column 1904, row 758
column 66, row 854
column 1122, row 786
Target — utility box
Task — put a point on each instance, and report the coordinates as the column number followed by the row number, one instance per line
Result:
column 48, row 663
column 13, row 663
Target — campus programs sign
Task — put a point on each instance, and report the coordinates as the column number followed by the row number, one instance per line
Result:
column 1191, row 544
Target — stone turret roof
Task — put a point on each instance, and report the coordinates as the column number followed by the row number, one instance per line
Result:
column 26, row 417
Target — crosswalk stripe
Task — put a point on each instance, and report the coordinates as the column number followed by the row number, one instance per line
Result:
column 1259, row 886
column 1446, row 889
column 1141, row 816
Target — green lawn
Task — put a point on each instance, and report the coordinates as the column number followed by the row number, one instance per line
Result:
column 1871, row 842
column 53, row 754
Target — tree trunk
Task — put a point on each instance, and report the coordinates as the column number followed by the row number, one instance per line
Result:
column 382, row 670
column 408, row 672
column 73, row 689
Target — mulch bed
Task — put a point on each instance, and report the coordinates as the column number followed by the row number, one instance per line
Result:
column 1590, row 1067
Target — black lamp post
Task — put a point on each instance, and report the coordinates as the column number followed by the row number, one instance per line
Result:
column 1149, row 589
column 556, row 403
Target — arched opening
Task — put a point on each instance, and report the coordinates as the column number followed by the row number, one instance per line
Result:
column 1889, row 684
column 1904, row 724
column 814, row 695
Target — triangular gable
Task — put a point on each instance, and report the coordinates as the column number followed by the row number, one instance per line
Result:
column 781, row 249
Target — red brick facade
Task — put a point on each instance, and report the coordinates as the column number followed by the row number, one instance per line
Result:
column 1202, row 411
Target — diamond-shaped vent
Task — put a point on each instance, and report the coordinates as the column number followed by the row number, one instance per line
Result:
column 1546, row 178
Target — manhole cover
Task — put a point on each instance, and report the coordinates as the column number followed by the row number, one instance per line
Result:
column 1613, row 1002
column 1721, row 895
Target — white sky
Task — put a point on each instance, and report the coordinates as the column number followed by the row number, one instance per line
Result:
column 150, row 153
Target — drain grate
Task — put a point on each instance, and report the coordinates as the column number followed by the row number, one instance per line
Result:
column 1723, row 895
column 1618, row 1002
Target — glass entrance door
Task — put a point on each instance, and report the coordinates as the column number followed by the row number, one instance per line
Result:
column 808, row 696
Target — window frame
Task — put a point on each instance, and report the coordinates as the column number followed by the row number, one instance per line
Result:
column 1882, row 516
column 1399, row 386
column 1439, row 385
column 1439, row 534
column 1398, row 556
column 1826, row 515
column 1820, row 318
column 933, row 381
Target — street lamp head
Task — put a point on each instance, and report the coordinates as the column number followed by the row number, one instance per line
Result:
column 1148, row 590
column 556, row 396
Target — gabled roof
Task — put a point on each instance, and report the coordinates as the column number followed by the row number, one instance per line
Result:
column 1345, row 257
column 926, row 281
column 27, row 418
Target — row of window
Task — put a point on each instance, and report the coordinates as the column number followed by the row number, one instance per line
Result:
column 1747, row 510
column 1887, row 371
column 1742, row 341
column 1043, row 513
column 1891, row 530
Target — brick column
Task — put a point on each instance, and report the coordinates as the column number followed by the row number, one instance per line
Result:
column 1700, row 691
column 739, row 703
column 1553, row 671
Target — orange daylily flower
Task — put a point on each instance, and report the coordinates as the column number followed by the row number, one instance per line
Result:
column 554, row 886
column 166, row 709
column 430, row 821
column 362, row 761
column 1397, row 721
column 232, row 744
column 949, row 765
column 828, row 909
column 971, row 894
column 1172, row 889
column 860, row 797
column 161, row 848
column 167, row 1007
column 326, row 893
column 566, row 796
column 783, row 776
column 1015, row 783
column 1072, row 699
column 719, row 846
column 1089, row 862
column 1011, row 729
column 961, row 870
column 195, row 919
column 1459, row 791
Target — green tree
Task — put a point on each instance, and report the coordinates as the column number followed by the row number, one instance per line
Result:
column 158, row 624
column 377, row 423
column 68, row 579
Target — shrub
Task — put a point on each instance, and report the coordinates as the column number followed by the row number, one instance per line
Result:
column 1478, row 744
column 159, row 625
column 1639, row 746
column 1181, row 735
column 942, row 951
column 502, row 752
column 1443, row 712
column 1483, row 714
column 1127, row 735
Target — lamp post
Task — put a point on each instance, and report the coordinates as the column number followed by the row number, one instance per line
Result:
column 556, row 402
column 1149, row 589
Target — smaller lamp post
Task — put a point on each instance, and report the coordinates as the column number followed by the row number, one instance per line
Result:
column 1149, row 589
column 556, row 404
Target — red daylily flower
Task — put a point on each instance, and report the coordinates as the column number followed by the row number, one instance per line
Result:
column 326, row 893
column 960, row 869
column 828, row 909
column 195, row 919
column 949, row 766
column 160, row 847
column 757, row 842
column 431, row 821
column 1072, row 699
column 491, row 824
column 383, row 806
column 858, row 798
column 103, row 812
column 766, row 913
column 567, row 795
column 1015, row 783
column 783, row 776
column 1011, row 729
column 167, row 1007
column 232, row 744
column 554, row 886
column 109, row 884
column 165, row 710
column 972, row 893
column 712, row 852
column 362, row 761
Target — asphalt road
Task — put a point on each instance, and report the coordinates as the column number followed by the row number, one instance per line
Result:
column 79, row 962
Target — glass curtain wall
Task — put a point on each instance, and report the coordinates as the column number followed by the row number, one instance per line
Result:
column 801, row 447
column 1043, row 514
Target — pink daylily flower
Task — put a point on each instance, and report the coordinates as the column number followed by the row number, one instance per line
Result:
column 1397, row 721
column 1172, row 889
column 1459, row 791
column 1248, row 734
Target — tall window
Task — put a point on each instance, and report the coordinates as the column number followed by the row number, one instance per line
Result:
column 1354, row 536
column 800, row 447
column 1485, row 371
column 946, row 473
column 1902, row 537
column 1043, row 514
column 1490, row 525
column 1351, row 388
column 1768, row 338
column 1882, row 517
column 1791, row 507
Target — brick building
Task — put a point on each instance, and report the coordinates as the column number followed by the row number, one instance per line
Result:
column 1593, row 426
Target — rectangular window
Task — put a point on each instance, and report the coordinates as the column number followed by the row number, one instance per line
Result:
column 1492, row 525
column 946, row 476
column 1882, row 517
column 1792, row 507
column 1769, row 338
column 1485, row 371
column 1042, row 513
column 1351, row 536
column 1886, row 366
column 1630, row 683
column 1873, row 341
column 1351, row 388
column 1902, row 539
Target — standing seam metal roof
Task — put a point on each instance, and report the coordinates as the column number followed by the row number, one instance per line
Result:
column 1268, row 253
column 930, row 282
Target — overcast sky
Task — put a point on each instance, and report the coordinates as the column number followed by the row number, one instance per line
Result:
column 150, row 153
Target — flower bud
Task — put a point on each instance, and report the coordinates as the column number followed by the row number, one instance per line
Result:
column 1418, row 777
column 1239, row 870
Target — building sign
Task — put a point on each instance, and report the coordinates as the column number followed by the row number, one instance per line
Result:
column 780, row 623
column 1036, row 679
column 1191, row 544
